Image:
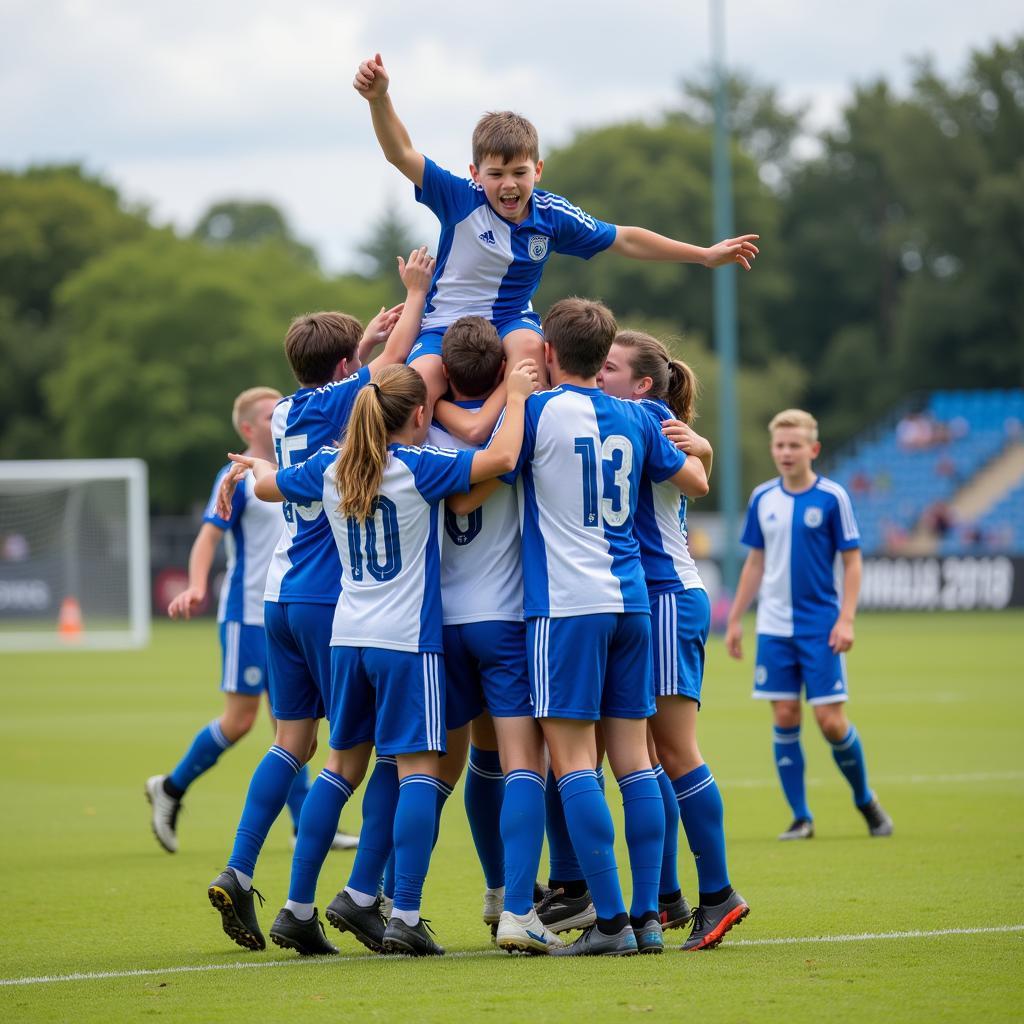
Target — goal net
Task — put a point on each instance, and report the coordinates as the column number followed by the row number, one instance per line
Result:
column 74, row 554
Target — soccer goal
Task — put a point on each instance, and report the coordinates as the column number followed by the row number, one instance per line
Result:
column 74, row 554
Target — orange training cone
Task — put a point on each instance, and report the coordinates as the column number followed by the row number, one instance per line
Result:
column 69, row 621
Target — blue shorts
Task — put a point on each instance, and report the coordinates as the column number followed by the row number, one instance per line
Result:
column 298, row 657
column 680, row 623
column 394, row 699
column 591, row 666
column 485, row 663
column 244, row 658
column 429, row 342
column 784, row 662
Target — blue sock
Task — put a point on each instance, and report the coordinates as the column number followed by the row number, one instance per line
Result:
column 388, row 882
column 522, row 835
column 443, row 792
column 849, row 755
column 593, row 837
column 297, row 796
column 376, row 839
column 485, row 789
column 789, row 761
column 562, row 862
column 644, row 811
column 265, row 800
column 327, row 796
column 670, row 851
column 209, row 743
column 702, row 814
column 415, row 821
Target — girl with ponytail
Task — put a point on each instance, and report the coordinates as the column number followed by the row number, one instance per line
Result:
column 382, row 491
column 640, row 368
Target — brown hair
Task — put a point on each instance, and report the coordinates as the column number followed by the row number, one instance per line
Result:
column 317, row 342
column 245, row 405
column 504, row 134
column 795, row 418
column 472, row 354
column 381, row 408
column 581, row 332
column 671, row 379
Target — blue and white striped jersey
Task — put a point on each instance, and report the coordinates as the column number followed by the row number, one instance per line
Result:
column 488, row 266
column 250, row 536
column 661, row 526
column 481, row 554
column 584, row 454
column 801, row 535
column 391, row 564
column 305, row 567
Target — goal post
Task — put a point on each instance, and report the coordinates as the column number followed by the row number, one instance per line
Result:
column 74, row 554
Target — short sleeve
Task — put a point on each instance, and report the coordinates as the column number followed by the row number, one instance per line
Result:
column 342, row 396
column 577, row 233
column 304, row 483
column 663, row 459
column 237, row 503
column 450, row 197
column 842, row 523
column 439, row 472
column 752, row 535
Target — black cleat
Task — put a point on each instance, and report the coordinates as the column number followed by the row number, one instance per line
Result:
column 307, row 937
column 674, row 913
column 237, row 910
column 561, row 913
column 801, row 828
column 367, row 924
column 879, row 823
column 649, row 937
column 711, row 923
column 412, row 941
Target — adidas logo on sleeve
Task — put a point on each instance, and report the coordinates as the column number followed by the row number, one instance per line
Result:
column 488, row 237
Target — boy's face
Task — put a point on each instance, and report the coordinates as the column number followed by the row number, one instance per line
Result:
column 793, row 451
column 508, row 185
column 616, row 376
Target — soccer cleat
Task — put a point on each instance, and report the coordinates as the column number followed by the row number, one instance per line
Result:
column 367, row 924
column 802, row 828
column 562, row 913
column 493, row 901
column 307, row 937
column 411, row 940
column 649, row 938
column 164, row 817
column 341, row 841
column 237, row 910
column 674, row 913
column 525, row 934
column 711, row 923
column 594, row 942
column 879, row 823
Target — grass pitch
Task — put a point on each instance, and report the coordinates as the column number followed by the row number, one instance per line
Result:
column 937, row 699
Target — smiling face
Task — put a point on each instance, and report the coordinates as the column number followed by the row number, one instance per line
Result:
column 616, row 376
column 508, row 184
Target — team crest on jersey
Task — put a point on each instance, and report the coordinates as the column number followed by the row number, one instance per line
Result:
column 812, row 517
column 760, row 675
column 538, row 247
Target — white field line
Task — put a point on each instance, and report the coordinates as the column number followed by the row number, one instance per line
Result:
column 297, row 961
column 968, row 778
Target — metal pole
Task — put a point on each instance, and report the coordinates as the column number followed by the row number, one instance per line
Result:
column 724, row 282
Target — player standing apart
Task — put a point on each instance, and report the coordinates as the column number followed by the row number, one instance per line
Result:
column 795, row 525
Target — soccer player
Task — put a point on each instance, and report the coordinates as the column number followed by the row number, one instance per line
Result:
column 498, row 230
column 250, row 529
column 795, row 525
column 382, row 494
column 303, row 581
column 640, row 368
column 588, row 613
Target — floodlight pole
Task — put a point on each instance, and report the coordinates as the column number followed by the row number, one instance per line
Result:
column 724, row 283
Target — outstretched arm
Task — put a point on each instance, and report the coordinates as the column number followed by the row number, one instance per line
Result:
column 265, row 473
column 746, row 591
column 641, row 244
column 371, row 82
column 416, row 275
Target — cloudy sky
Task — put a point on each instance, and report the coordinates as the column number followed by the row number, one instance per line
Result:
column 184, row 104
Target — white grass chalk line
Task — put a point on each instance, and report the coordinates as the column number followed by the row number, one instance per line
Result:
column 53, row 979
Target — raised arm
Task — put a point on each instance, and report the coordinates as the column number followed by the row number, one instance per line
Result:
column 746, row 591
column 371, row 82
column 502, row 454
column 265, row 473
column 377, row 332
column 641, row 244
column 200, row 561
column 416, row 275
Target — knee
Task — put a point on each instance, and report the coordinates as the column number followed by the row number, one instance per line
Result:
column 237, row 722
column 786, row 713
column 832, row 721
column 679, row 758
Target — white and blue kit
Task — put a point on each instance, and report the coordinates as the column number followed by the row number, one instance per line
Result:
column 798, row 603
column 387, row 671
column 250, row 536
column 585, row 598
column 486, row 265
column 304, row 579
column 482, row 596
column 680, row 609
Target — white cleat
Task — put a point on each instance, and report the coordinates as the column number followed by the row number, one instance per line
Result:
column 164, row 818
column 494, row 900
column 525, row 934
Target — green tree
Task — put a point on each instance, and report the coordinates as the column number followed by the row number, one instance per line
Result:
column 241, row 222
column 390, row 237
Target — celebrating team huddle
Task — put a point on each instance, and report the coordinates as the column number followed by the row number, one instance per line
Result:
column 483, row 556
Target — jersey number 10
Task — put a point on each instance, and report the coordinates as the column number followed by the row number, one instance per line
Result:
column 363, row 539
